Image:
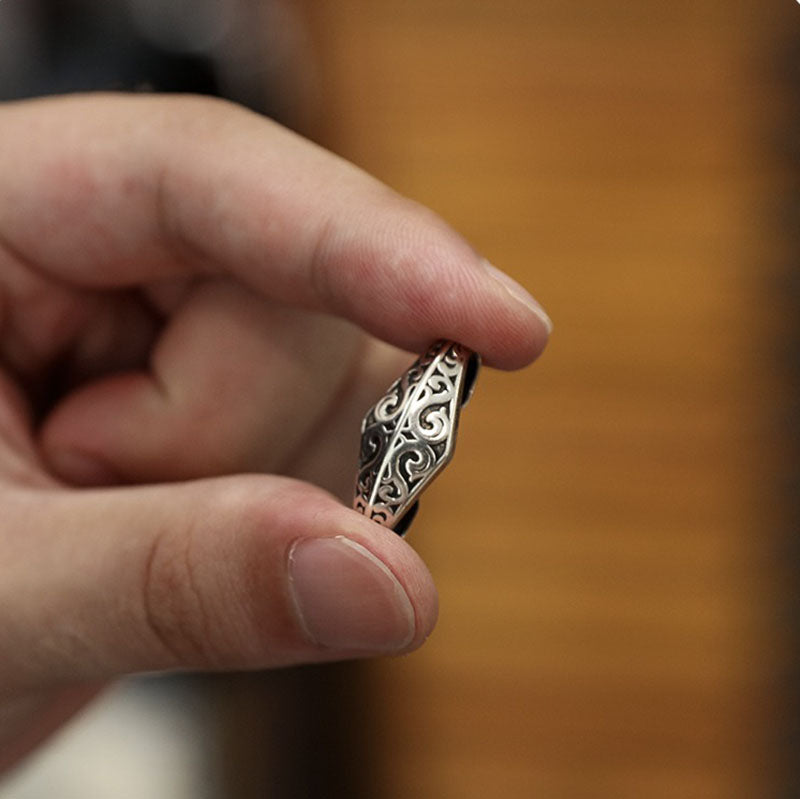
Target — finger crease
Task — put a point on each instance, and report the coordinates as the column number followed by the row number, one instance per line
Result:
column 318, row 270
column 184, row 249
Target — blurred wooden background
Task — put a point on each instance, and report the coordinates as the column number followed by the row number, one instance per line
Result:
column 604, row 543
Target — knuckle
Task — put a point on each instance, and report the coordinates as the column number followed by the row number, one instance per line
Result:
column 174, row 610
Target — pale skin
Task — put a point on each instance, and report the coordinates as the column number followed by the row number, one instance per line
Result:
column 196, row 308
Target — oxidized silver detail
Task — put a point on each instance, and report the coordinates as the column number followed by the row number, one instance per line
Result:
column 409, row 436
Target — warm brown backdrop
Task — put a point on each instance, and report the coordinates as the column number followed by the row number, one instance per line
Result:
column 603, row 543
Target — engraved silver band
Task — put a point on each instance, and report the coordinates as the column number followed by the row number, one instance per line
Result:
column 409, row 435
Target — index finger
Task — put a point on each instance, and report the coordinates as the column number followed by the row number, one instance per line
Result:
column 113, row 191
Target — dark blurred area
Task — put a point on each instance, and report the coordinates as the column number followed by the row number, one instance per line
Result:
column 786, row 358
column 254, row 53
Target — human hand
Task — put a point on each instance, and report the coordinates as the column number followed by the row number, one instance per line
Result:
column 183, row 290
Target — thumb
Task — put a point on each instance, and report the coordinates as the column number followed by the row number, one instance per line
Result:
column 240, row 572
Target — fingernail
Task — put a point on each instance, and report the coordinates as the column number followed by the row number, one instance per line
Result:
column 519, row 294
column 347, row 599
column 80, row 469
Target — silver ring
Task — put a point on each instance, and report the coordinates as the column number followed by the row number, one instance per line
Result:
column 409, row 435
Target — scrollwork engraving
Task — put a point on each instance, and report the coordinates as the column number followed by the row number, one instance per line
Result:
column 408, row 436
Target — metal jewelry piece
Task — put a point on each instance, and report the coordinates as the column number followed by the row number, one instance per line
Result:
column 409, row 436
